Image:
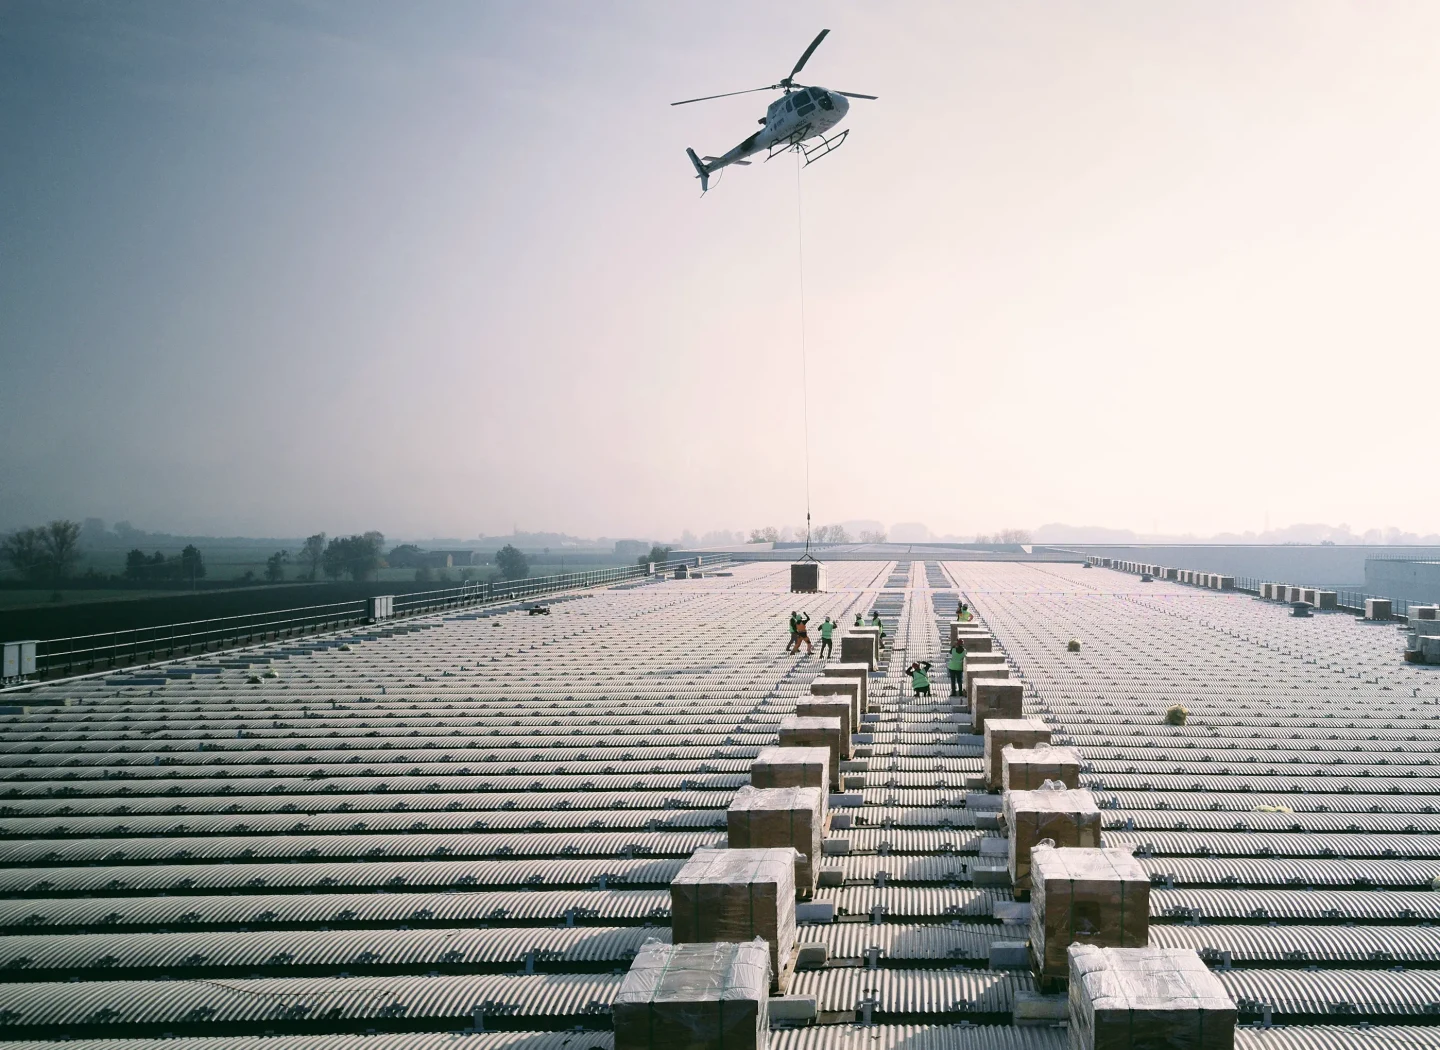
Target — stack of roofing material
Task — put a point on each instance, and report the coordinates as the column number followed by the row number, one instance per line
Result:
column 847, row 689
column 1065, row 818
column 737, row 895
column 796, row 731
column 792, row 767
column 1028, row 769
column 808, row 577
column 1140, row 998
column 831, row 707
column 1014, row 732
column 857, row 646
column 975, row 641
column 1378, row 609
column 785, row 818
column 994, row 698
column 859, row 673
column 1085, row 896
column 697, row 996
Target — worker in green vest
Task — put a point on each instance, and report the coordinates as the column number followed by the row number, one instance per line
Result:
column 919, row 673
column 859, row 619
column 793, row 645
column 827, row 637
column 956, row 664
column 875, row 622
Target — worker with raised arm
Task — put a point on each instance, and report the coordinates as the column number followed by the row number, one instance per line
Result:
column 802, row 634
column 919, row 673
column 793, row 645
column 827, row 637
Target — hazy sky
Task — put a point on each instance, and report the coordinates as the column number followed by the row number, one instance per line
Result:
column 442, row 268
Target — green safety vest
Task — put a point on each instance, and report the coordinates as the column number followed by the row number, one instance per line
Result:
column 826, row 630
column 919, row 679
column 957, row 660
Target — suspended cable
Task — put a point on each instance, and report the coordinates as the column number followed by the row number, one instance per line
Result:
column 804, row 363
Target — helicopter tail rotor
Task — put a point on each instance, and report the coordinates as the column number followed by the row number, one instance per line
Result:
column 701, row 172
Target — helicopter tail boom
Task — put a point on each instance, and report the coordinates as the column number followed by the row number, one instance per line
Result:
column 701, row 172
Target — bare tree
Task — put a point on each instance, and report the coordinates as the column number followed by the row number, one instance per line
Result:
column 769, row 534
column 872, row 536
column 25, row 550
column 313, row 553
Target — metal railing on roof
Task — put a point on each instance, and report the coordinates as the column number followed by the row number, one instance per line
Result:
column 136, row 646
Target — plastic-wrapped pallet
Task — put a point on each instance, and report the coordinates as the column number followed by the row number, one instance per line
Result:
column 1147, row 999
column 859, row 673
column 1066, row 818
column 830, row 707
column 736, row 895
column 858, row 647
column 849, row 688
column 695, row 997
column 783, row 767
column 1029, row 769
column 1003, row 732
column 976, row 642
column 979, row 672
column 764, row 818
column 807, row 576
column 994, row 698
column 814, row 732
column 1085, row 896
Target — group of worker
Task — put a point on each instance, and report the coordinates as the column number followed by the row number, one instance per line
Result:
column 919, row 671
column 800, row 632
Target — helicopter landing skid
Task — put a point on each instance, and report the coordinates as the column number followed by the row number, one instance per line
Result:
column 796, row 142
column 823, row 147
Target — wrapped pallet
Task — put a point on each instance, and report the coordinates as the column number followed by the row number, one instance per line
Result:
column 1066, row 818
column 783, row 767
column 977, row 642
column 1146, row 999
column 976, row 671
column 814, row 732
column 848, row 688
column 736, row 895
column 808, row 577
column 1029, row 769
column 696, row 997
column 966, row 629
column 858, row 672
column 858, row 647
column 766, row 818
column 994, row 698
column 830, row 707
column 1085, row 896
column 1000, row 732
column 1378, row 609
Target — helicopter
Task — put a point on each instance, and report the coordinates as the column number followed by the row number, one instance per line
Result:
column 802, row 113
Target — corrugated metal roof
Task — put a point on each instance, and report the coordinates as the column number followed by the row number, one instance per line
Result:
column 918, row 1037
column 478, row 774
column 569, row 1040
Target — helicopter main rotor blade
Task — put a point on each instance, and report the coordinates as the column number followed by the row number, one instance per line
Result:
column 806, row 56
column 852, row 94
column 707, row 98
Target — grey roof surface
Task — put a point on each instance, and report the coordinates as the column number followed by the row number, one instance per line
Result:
column 476, row 820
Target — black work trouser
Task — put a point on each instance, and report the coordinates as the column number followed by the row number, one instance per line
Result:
column 956, row 681
column 827, row 646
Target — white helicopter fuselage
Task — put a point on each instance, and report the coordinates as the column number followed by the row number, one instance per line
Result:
column 800, row 115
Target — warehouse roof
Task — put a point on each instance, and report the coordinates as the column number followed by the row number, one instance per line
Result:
column 473, row 823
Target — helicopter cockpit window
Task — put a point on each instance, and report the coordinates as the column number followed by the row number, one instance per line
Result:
column 823, row 97
column 789, row 105
column 803, row 103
